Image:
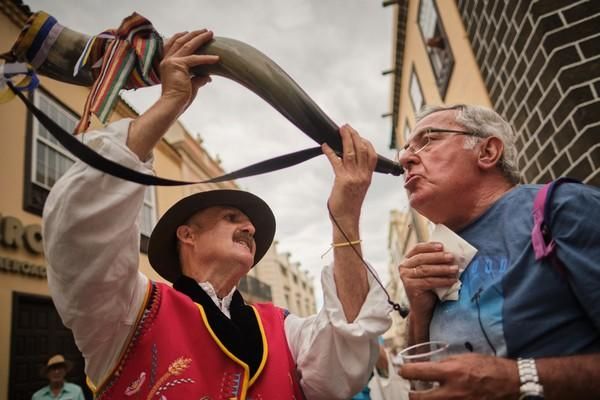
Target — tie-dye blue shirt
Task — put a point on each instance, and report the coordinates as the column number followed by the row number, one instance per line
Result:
column 527, row 308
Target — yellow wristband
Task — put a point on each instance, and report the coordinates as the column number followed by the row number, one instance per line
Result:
column 341, row 244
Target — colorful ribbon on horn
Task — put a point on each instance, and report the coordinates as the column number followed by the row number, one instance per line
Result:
column 124, row 58
column 37, row 37
column 35, row 40
column 130, row 56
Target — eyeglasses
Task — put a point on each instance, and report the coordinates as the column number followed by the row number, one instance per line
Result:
column 425, row 137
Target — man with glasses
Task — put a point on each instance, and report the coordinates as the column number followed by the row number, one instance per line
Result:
column 529, row 330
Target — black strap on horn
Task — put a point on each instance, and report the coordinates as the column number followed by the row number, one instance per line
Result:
column 93, row 159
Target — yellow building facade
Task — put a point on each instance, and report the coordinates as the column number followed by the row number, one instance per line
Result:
column 291, row 287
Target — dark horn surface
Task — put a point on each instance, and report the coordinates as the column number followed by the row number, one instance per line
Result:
column 257, row 72
column 62, row 59
column 239, row 62
column 254, row 70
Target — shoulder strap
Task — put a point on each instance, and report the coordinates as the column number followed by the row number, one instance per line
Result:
column 90, row 157
column 541, row 236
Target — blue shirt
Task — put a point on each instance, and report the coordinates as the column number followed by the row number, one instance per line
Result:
column 70, row 391
column 363, row 394
column 514, row 306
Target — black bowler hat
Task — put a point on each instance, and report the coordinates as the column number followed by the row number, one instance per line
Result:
column 162, row 248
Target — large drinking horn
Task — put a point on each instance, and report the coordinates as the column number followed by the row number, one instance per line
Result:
column 239, row 62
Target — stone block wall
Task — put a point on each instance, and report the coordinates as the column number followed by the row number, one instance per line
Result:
column 541, row 64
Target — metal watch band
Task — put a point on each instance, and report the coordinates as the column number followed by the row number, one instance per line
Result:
column 530, row 384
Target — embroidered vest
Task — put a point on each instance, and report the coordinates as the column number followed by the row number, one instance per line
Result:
column 174, row 354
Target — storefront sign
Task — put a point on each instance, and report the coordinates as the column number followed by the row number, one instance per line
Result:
column 16, row 236
column 13, row 234
column 22, row 267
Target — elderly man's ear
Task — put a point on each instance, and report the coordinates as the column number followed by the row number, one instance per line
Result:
column 185, row 234
column 490, row 152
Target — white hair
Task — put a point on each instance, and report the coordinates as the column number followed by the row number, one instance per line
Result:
column 484, row 122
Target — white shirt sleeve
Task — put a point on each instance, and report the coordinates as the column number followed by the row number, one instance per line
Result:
column 91, row 242
column 335, row 358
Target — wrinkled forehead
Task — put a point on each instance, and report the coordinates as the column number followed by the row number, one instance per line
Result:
column 438, row 119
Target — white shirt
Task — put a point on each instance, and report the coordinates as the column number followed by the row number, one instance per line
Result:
column 222, row 304
column 91, row 241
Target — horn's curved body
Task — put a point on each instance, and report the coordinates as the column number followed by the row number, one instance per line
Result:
column 239, row 62
column 61, row 60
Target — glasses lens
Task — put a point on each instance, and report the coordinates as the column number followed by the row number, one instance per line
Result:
column 415, row 145
column 420, row 141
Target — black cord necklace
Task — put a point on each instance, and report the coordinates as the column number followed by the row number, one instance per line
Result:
column 403, row 311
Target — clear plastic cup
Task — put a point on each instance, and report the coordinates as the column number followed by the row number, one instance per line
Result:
column 422, row 352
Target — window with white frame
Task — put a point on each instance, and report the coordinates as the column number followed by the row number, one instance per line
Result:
column 416, row 95
column 49, row 159
column 427, row 18
column 46, row 159
column 436, row 42
column 148, row 212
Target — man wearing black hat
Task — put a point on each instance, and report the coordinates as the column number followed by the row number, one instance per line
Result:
column 55, row 370
column 199, row 339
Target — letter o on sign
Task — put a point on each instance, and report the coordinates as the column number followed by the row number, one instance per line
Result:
column 33, row 238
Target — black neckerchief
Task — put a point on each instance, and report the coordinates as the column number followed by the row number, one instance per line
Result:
column 240, row 334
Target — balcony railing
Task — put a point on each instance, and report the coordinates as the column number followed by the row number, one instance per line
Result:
column 255, row 288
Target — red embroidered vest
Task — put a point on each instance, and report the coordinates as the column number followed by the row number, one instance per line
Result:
column 175, row 355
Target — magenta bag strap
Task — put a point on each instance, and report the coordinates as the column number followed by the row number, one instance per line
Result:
column 538, row 241
column 541, row 236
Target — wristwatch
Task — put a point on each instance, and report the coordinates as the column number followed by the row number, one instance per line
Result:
column 530, row 388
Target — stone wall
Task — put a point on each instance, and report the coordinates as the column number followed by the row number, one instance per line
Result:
column 541, row 64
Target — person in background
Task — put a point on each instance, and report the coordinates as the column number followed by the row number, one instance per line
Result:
column 522, row 327
column 58, row 388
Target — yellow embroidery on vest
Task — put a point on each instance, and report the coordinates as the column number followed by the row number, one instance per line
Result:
column 176, row 368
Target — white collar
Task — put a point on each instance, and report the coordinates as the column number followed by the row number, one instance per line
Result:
column 222, row 304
